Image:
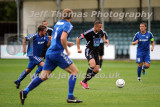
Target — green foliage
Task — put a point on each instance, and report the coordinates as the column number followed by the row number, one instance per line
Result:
column 8, row 11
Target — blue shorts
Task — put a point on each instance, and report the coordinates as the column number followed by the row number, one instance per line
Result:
column 143, row 57
column 33, row 61
column 54, row 60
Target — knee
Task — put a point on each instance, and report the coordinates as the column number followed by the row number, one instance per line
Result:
column 75, row 72
column 96, row 70
column 93, row 65
column 140, row 65
column 147, row 65
column 28, row 71
column 43, row 78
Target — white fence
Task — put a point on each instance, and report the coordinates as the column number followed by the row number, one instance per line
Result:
column 155, row 55
column 16, row 52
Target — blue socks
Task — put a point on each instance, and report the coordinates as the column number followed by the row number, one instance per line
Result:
column 139, row 71
column 39, row 69
column 22, row 76
column 72, row 81
column 34, row 83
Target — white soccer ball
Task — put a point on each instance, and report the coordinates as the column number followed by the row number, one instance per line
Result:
column 120, row 83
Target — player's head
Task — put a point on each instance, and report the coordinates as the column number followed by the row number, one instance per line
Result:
column 97, row 26
column 143, row 26
column 42, row 30
column 67, row 14
column 44, row 23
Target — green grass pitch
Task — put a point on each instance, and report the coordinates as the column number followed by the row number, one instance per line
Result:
column 103, row 91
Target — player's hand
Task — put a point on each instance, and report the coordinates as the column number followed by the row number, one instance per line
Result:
column 49, row 37
column 24, row 51
column 70, row 44
column 107, row 43
column 68, row 52
column 79, row 51
column 152, row 48
column 136, row 41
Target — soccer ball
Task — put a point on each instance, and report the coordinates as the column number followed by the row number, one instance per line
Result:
column 120, row 83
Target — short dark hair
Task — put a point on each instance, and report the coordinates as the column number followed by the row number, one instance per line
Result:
column 97, row 22
column 67, row 14
column 41, row 28
column 144, row 23
column 44, row 21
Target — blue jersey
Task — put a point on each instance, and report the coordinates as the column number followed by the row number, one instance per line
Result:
column 143, row 41
column 60, row 26
column 36, row 44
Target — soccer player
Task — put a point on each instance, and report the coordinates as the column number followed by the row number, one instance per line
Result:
column 101, row 49
column 43, row 53
column 48, row 33
column 55, row 57
column 93, row 37
column 36, row 43
column 143, row 39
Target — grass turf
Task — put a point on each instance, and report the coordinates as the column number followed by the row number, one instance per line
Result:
column 102, row 92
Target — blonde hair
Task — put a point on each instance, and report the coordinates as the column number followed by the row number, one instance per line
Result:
column 67, row 14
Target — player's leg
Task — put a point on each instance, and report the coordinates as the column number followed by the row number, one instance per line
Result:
column 97, row 61
column 100, row 62
column 36, row 81
column 21, row 77
column 31, row 65
column 33, row 84
column 48, row 67
column 139, row 60
column 66, row 63
column 40, row 66
column 89, row 74
column 147, row 63
column 92, row 65
column 139, row 71
column 101, row 53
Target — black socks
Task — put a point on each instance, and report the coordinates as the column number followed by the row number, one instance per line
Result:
column 90, row 73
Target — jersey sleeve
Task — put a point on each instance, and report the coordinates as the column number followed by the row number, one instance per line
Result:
column 68, row 28
column 29, row 37
column 84, row 35
column 135, row 37
column 105, row 34
column 151, row 37
column 81, row 36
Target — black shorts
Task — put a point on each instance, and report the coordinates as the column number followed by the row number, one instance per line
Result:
column 101, row 49
column 90, row 54
column 43, row 53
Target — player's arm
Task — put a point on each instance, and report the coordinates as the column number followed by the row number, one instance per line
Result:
column 135, row 39
column 69, row 44
column 152, row 43
column 64, row 42
column 105, row 40
column 135, row 42
column 78, row 42
column 24, row 46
